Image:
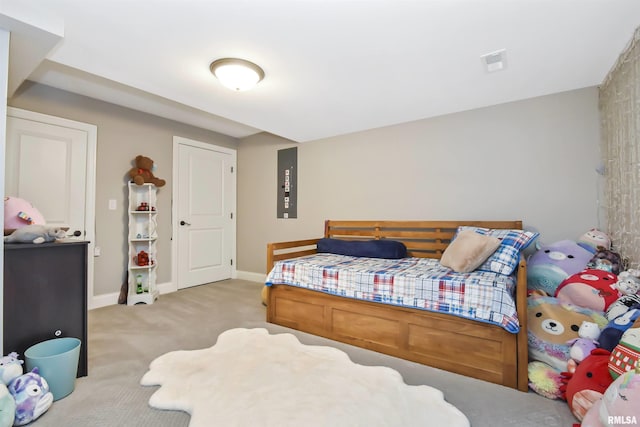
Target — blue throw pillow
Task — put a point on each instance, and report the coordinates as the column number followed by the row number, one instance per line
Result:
column 390, row 249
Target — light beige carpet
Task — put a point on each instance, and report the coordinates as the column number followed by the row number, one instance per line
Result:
column 250, row 378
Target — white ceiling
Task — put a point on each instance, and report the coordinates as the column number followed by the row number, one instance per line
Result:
column 332, row 67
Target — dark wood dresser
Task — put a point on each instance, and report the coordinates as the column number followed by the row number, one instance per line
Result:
column 45, row 295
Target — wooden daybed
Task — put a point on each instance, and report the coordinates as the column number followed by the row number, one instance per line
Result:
column 475, row 349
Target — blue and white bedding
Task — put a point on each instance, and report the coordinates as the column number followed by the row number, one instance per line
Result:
column 409, row 282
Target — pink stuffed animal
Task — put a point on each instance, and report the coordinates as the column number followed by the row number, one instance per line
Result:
column 620, row 404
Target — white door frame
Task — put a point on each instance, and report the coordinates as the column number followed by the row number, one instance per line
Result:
column 90, row 192
column 177, row 142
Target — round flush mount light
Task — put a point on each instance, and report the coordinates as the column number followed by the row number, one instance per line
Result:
column 236, row 74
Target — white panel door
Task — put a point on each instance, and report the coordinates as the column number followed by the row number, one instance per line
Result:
column 46, row 164
column 205, row 205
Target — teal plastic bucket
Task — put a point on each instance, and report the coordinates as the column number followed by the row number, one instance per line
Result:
column 57, row 362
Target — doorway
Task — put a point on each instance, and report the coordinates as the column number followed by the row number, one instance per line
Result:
column 204, row 201
column 51, row 162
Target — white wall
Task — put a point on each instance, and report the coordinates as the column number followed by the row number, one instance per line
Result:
column 532, row 160
column 4, row 72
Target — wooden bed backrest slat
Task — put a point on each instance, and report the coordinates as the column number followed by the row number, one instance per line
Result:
column 424, row 239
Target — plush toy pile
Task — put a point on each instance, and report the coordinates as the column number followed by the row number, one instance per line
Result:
column 23, row 397
column 584, row 329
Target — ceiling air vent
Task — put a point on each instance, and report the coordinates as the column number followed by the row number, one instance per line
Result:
column 494, row 61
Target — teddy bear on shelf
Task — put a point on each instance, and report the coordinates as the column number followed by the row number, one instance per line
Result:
column 142, row 172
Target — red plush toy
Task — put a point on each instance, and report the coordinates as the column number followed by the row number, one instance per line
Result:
column 586, row 385
column 590, row 288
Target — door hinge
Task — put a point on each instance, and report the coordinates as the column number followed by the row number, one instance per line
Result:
column 231, row 169
column 231, row 215
column 232, row 262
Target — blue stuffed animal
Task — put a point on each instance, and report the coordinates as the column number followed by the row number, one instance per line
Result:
column 32, row 397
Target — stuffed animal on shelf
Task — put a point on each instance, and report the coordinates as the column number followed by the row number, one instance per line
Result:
column 19, row 213
column 10, row 368
column 36, row 233
column 620, row 404
column 142, row 172
column 32, row 397
column 625, row 355
column 588, row 340
column 594, row 289
column 594, row 238
column 7, row 407
column 553, row 263
column 587, row 383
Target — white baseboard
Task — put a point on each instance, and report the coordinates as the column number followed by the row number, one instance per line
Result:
column 250, row 276
column 112, row 299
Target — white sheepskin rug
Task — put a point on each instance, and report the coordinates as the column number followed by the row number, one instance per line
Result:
column 251, row 378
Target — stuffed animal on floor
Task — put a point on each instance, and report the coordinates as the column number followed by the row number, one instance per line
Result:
column 32, row 397
column 587, row 383
column 625, row 355
column 622, row 305
column 612, row 333
column 553, row 263
column 620, row 404
column 19, row 212
column 551, row 325
column 142, row 172
column 544, row 380
column 7, row 407
column 590, row 288
column 10, row 368
column 606, row 259
column 588, row 340
column 36, row 233
column 593, row 239
column 628, row 282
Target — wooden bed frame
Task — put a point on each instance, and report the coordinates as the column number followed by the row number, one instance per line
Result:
column 475, row 349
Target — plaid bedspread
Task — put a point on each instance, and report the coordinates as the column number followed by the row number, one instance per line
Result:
column 411, row 282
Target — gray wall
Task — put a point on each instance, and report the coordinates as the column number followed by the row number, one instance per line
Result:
column 122, row 134
column 532, row 160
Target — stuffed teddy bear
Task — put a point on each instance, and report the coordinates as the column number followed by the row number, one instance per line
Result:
column 18, row 213
column 590, row 288
column 142, row 172
column 7, row 407
column 620, row 404
column 553, row 263
column 587, row 383
column 594, row 238
column 36, row 233
column 32, row 397
column 551, row 325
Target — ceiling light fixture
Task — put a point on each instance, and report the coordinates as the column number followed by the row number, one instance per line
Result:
column 236, row 74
